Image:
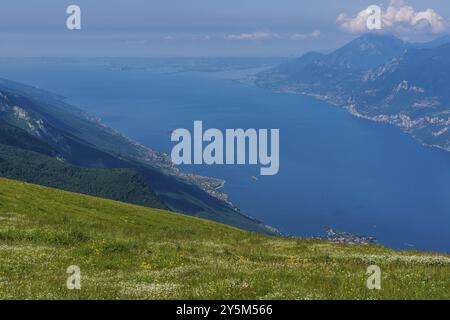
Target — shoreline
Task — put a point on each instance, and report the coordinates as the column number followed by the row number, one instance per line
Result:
column 401, row 121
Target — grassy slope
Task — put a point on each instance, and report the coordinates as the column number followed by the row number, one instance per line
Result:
column 127, row 251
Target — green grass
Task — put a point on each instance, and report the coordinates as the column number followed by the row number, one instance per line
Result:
column 131, row 252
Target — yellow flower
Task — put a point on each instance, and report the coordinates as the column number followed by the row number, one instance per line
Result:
column 145, row 265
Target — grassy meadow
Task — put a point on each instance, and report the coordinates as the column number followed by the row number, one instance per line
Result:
column 131, row 252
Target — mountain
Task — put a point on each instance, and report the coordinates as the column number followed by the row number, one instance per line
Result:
column 16, row 137
column 431, row 44
column 389, row 81
column 366, row 52
column 337, row 71
column 363, row 53
column 69, row 141
column 131, row 252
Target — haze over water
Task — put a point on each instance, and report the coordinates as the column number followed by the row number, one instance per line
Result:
column 335, row 170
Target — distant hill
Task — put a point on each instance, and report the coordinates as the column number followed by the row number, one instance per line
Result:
column 378, row 77
column 431, row 44
column 131, row 252
column 71, row 141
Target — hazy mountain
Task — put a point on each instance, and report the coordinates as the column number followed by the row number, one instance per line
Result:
column 431, row 44
column 366, row 52
column 379, row 78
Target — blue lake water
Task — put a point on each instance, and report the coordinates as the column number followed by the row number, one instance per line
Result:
column 335, row 170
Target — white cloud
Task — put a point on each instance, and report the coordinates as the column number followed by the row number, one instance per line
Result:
column 302, row 36
column 399, row 18
column 260, row 35
column 252, row 36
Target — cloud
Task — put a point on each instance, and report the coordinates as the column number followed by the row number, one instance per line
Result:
column 252, row 36
column 302, row 36
column 399, row 18
column 260, row 35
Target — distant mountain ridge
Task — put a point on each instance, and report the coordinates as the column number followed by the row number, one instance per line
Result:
column 381, row 78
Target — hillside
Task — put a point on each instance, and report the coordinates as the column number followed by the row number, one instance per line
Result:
column 35, row 120
column 116, row 184
column 126, row 251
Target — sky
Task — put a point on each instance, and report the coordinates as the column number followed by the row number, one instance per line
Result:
column 206, row 28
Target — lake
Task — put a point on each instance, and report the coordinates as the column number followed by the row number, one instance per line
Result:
column 336, row 170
